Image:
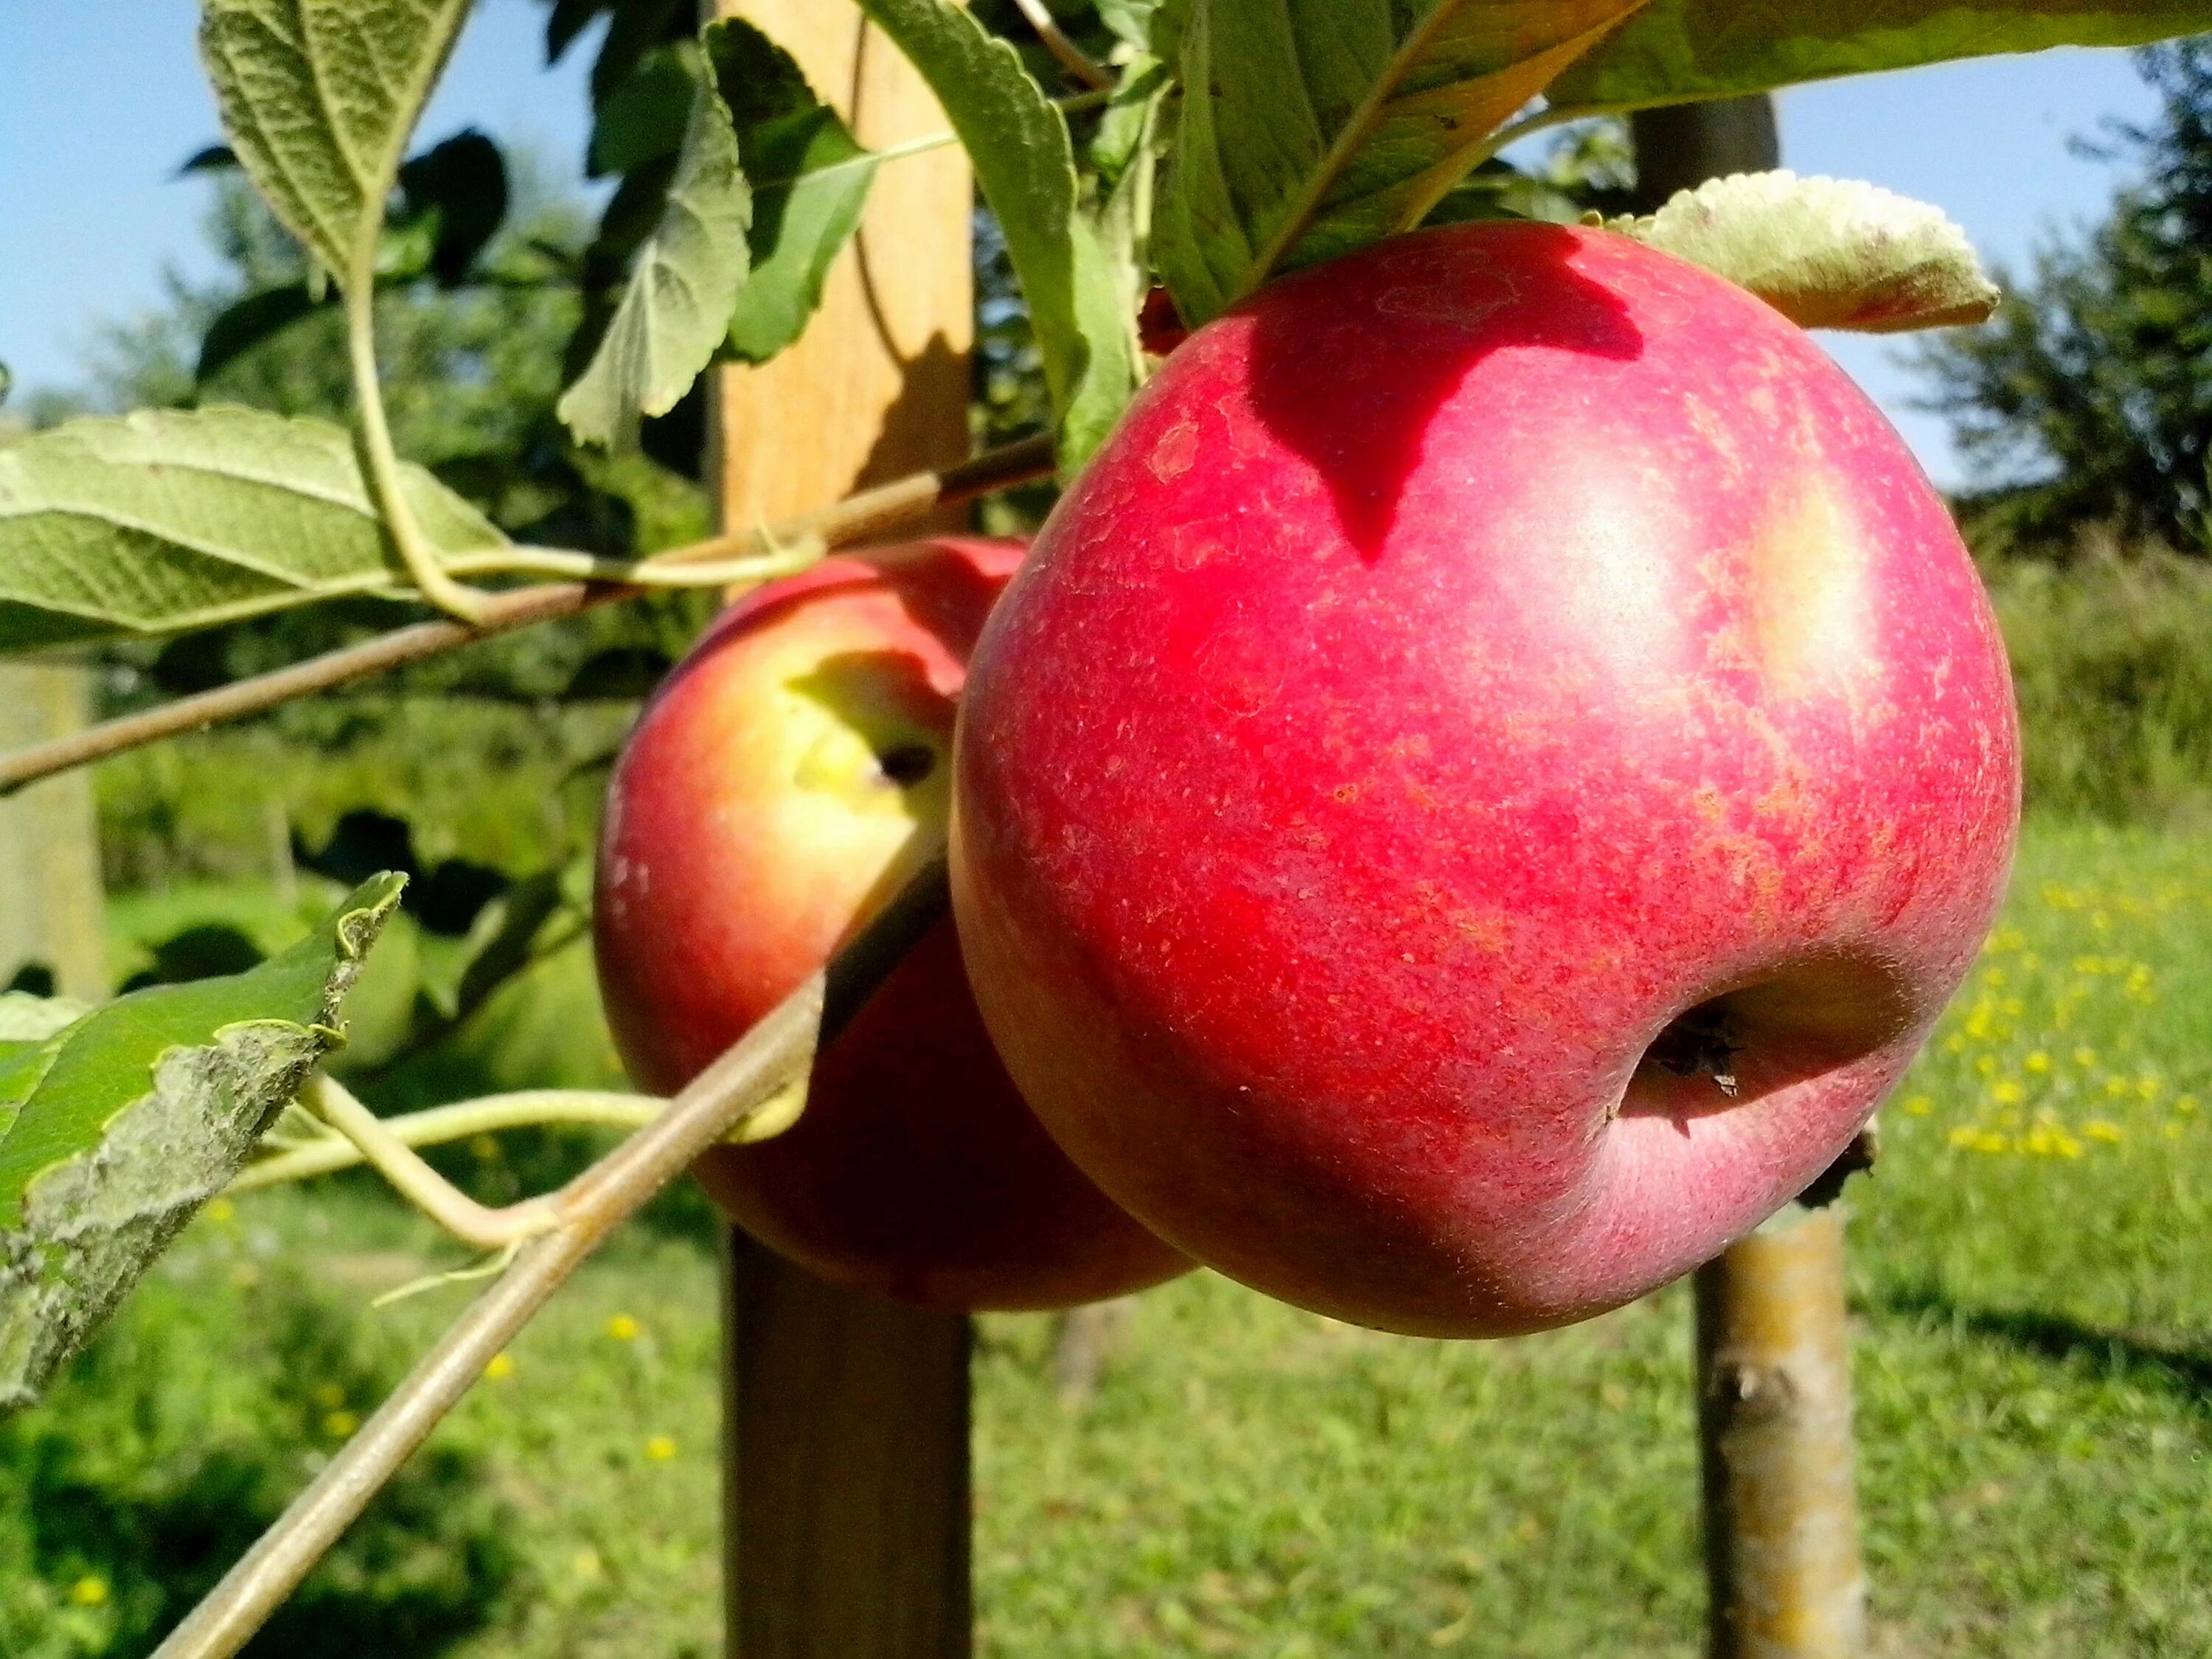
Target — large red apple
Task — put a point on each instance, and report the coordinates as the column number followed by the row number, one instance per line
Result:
column 780, row 786
column 1484, row 783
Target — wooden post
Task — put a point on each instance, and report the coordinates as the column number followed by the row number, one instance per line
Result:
column 846, row 1494
column 51, row 911
column 1774, row 1381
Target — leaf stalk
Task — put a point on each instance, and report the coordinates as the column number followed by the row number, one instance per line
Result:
column 871, row 513
column 380, row 462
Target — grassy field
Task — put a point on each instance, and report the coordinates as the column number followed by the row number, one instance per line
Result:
column 2033, row 1317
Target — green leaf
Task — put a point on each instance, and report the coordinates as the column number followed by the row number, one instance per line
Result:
column 247, row 322
column 319, row 98
column 119, row 1126
column 644, row 118
column 458, row 189
column 1676, row 50
column 177, row 519
column 676, row 309
column 1026, row 162
column 810, row 178
column 1328, row 124
column 1825, row 253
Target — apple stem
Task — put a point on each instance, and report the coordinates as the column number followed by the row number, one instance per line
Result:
column 743, row 1083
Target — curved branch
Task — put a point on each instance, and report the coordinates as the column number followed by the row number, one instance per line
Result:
column 775, row 1054
column 526, row 1109
column 416, row 1182
column 873, row 513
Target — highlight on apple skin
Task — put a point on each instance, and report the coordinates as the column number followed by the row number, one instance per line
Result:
column 782, row 782
column 1483, row 784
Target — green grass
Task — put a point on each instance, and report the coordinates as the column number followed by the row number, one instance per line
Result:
column 2034, row 1321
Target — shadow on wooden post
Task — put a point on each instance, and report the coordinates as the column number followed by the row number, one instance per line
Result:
column 1774, row 1380
column 846, row 1497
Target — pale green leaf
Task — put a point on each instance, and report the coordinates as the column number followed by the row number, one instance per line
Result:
column 1326, row 125
column 177, row 519
column 810, row 178
column 119, row 1125
column 1825, row 253
column 1025, row 163
column 1676, row 50
column 676, row 309
column 319, row 98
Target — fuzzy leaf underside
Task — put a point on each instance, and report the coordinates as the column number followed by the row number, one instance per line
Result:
column 170, row 519
column 319, row 98
column 118, row 1125
column 1825, row 253
column 1309, row 128
column 1676, row 50
column 1025, row 163
column 676, row 309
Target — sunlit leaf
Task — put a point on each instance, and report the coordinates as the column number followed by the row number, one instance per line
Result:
column 1676, row 50
column 1307, row 131
column 1025, row 163
column 117, row 1126
column 319, row 98
column 1825, row 253
column 810, row 180
column 176, row 519
column 682, row 290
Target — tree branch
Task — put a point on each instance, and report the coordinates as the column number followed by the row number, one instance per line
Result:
column 775, row 1054
column 859, row 517
column 1072, row 58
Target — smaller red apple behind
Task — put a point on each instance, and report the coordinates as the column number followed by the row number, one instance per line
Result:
column 790, row 774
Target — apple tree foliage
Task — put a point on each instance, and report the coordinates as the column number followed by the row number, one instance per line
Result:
column 1213, row 145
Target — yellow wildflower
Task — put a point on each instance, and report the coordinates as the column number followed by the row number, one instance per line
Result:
column 2037, row 1063
column 623, row 1329
column 660, row 1448
column 2098, row 1128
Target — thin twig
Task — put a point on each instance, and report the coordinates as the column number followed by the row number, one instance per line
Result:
column 472, row 1223
column 1072, row 58
column 871, row 513
column 526, row 1109
column 775, row 1053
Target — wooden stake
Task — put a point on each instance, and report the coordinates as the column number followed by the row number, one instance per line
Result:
column 846, row 1427
column 51, row 909
column 1774, row 1379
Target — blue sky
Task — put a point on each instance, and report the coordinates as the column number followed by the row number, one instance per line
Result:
column 93, row 122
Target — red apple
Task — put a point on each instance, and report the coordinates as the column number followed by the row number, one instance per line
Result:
column 1484, row 783
column 781, row 783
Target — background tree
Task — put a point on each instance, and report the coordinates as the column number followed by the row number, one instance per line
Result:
column 2088, row 399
